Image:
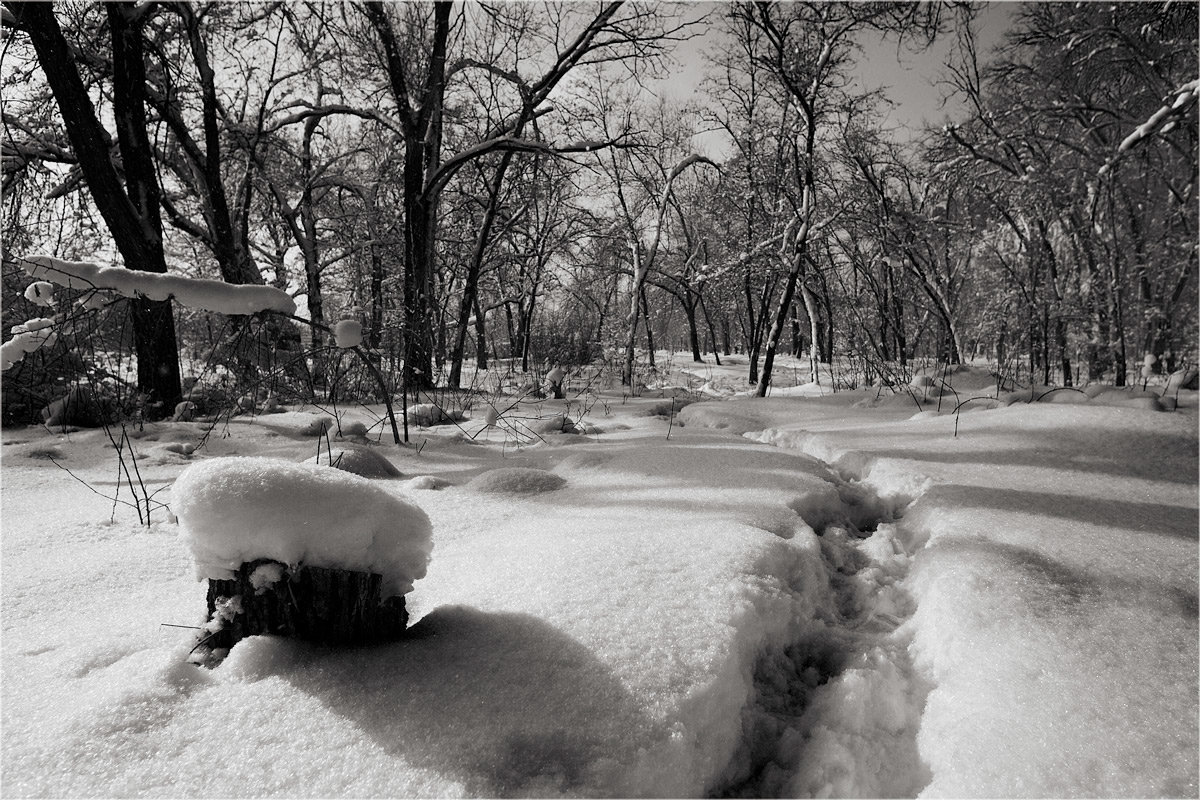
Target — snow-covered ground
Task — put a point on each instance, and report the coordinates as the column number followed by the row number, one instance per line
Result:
column 824, row 594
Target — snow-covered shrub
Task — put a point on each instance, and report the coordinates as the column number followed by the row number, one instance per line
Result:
column 362, row 461
column 554, row 383
column 517, row 480
column 354, row 428
column 184, row 412
column 558, row 423
column 236, row 510
column 666, row 408
column 81, row 407
column 59, row 346
column 317, row 427
column 426, row 415
column 28, row 337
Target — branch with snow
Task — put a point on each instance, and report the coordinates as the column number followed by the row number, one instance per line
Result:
column 27, row 337
column 201, row 293
column 1175, row 108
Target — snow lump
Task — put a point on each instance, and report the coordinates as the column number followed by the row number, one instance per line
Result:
column 359, row 460
column 233, row 510
column 517, row 480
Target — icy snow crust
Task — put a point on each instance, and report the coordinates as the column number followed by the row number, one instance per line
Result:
column 235, row 510
column 843, row 602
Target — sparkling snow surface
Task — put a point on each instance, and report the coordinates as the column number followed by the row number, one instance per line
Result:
column 1008, row 612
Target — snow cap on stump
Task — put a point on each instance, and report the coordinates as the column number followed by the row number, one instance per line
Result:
column 237, row 510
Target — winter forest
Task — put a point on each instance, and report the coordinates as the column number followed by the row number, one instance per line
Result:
column 415, row 399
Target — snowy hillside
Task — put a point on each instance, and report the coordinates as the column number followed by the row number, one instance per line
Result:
column 799, row 596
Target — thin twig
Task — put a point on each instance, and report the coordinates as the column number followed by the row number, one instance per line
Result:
column 91, row 488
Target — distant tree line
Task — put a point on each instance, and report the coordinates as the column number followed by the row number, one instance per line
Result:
column 487, row 182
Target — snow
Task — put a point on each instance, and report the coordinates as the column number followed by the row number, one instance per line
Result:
column 28, row 337
column 40, row 293
column 200, row 293
column 517, row 480
column 364, row 461
column 806, row 596
column 235, row 510
column 426, row 415
column 347, row 333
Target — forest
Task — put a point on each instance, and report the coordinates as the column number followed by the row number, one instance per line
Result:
column 498, row 185
column 599, row 399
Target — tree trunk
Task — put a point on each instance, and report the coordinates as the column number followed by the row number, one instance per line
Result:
column 234, row 260
column 471, row 284
column 689, row 313
column 797, row 338
column 649, row 327
column 421, row 123
column 418, row 257
column 375, row 334
column 712, row 333
column 131, row 212
column 814, row 362
column 330, row 606
column 481, row 359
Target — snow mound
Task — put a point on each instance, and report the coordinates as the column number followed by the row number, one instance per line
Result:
column 802, row 390
column 1018, row 641
column 430, row 483
column 559, row 423
column 360, row 460
column 426, row 415
column 355, row 428
column 517, row 480
column 316, row 427
column 234, row 510
column 1132, row 397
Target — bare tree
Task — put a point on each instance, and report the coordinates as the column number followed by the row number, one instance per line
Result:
column 128, row 204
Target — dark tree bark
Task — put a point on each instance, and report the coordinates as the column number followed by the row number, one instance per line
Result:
column 421, row 120
column 330, row 606
column 470, row 300
column 130, row 211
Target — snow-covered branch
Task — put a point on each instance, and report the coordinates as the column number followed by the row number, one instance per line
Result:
column 27, row 337
column 1175, row 108
column 202, row 293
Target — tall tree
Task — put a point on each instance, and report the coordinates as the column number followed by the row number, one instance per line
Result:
column 129, row 206
column 809, row 47
column 418, row 91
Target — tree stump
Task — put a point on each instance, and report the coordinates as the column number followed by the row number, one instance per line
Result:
column 317, row 604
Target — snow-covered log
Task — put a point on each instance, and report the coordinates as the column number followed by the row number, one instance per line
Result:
column 201, row 293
